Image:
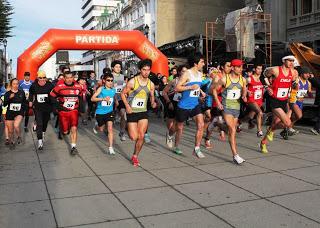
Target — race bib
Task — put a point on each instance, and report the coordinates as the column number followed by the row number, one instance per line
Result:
column 302, row 93
column 26, row 93
column 177, row 97
column 107, row 103
column 15, row 107
column 234, row 94
column 258, row 94
column 119, row 89
column 195, row 93
column 282, row 92
column 41, row 98
column 138, row 103
column 69, row 104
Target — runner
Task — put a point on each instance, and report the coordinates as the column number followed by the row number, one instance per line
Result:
column 39, row 100
column 105, row 96
column 16, row 101
column 297, row 97
column 135, row 97
column 4, row 111
column 189, row 85
column 119, row 83
column 91, row 85
column 255, row 99
column 234, row 90
column 171, row 99
column 67, row 94
column 83, row 103
column 281, row 78
column 25, row 86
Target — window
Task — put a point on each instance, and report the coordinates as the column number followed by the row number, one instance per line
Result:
column 294, row 7
column 306, row 6
column 318, row 4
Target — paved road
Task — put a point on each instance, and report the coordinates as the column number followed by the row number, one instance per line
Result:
column 52, row 189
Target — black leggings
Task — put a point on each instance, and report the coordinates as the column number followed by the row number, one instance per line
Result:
column 26, row 117
column 42, row 118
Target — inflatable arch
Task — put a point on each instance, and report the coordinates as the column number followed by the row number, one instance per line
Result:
column 59, row 39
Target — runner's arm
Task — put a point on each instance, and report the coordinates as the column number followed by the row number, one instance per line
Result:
column 165, row 92
column 94, row 97
column 152, row 99
column 181, row 84
column 216, row 84
column 244, row 90
column 125, row 92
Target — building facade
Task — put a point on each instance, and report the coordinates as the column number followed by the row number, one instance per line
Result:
column 295, row 20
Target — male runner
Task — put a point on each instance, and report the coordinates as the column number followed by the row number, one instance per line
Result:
column 135, row 97
column 234, row 89
column 25, row 85
column 279, row 79
column 67, row 93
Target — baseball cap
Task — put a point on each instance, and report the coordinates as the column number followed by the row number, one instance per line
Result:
column 236, row 62
column 288, row 57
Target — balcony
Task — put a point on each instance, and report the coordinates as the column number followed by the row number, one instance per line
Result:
column 304, row 20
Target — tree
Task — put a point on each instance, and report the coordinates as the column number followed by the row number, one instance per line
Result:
column 6, row 10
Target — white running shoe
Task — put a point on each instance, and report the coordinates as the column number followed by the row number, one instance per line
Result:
column 111, row 151
column 238, row 160
column 147, row 138
column 169, row 140
column 197, row 152
column 94, row 130
column 40, row 144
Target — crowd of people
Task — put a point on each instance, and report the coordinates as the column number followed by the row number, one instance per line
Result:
column 221, row 100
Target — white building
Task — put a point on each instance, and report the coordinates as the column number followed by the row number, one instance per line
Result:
column 50, row 67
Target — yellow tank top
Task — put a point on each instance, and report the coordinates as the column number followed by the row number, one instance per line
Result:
column 138, row 97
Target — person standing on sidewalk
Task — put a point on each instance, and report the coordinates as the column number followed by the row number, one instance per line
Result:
column 39, row 100
column 315, row 82
column 105, row 98
column 135, row 97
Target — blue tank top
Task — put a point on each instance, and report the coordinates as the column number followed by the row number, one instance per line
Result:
column 190, row 98
column 104, row 107
column 206, row 84
column 25, row 86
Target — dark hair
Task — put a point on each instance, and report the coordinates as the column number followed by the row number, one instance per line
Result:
column 115, row 62
column 107, row 75
column 11, row 81
column 195, row 59
column 179, row 69
column 144, row 62
column 63, row 68
column 92, row 72
column 106, row 70
column 223, row 62
column 27, row 73
column 257, row 64
column 67, row 72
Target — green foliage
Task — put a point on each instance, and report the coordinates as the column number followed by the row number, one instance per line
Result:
column 6, row 11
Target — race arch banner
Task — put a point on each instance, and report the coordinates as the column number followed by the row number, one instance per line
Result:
column 59, row 39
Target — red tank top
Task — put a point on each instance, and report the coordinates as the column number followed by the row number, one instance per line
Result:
column 256, row 89
column 281, row 85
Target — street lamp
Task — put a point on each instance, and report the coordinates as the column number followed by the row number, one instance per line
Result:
column 5, row 42
column 146, row 30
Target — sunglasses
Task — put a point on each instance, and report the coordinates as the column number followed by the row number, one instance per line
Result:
column 109, row 80
column 42, row 77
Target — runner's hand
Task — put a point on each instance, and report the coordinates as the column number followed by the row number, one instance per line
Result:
column 220, row 106
column 194, row 87
column 11, row 96
column 244, row 98
column 129, row 110
column 270, row 91
column 154, row 105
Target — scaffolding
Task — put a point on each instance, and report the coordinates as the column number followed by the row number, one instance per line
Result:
column 214, row 32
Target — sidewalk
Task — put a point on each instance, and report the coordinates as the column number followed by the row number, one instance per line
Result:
column 94, row 189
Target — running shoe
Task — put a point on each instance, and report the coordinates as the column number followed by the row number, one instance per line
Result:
column 19, row 140
column 74, row 151
column 122, row 136
column 34, row 127
column 292, row 132
column 239, row 129
column 177, row 151
column 94, row 130
column 270, row 135
column 169, row 140
column 222, row 136
column 259, row 134
column 238, row 160
column 84, row 122
column 26, row 130
column 60, row 136
column 40, row 144
column 314, row 131
column 147, row 138
column 197, row 152
column 263, row 148
column 111, row 151
column 284, row 134
column 135, row 161
column 7, row 143
column 208, row 144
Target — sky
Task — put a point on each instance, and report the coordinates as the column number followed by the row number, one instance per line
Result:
column 32, row 18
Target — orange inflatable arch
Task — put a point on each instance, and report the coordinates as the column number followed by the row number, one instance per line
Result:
column 59, row 39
